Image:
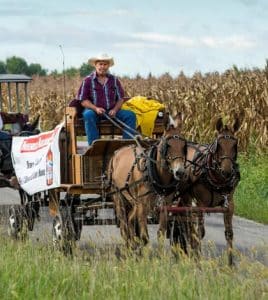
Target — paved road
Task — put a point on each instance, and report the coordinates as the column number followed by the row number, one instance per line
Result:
column 248, row 235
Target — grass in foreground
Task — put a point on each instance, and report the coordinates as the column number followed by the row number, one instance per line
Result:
column 30, row 271
column 251, row 196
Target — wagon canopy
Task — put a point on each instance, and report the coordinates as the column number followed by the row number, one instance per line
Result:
column 16, row 79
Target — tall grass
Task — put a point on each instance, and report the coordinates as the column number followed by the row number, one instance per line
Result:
column 30, row 271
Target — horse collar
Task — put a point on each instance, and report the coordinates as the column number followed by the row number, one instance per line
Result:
column 153, row 177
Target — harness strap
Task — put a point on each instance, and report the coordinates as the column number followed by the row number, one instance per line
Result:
column 153, row 178
column 127, row 188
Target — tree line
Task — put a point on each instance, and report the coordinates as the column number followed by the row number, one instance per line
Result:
column 18, row 65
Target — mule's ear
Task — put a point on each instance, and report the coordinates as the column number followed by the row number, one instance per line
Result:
column 35, row 123
column 178, row 121
column 171, row 123
column 219, row 124
column 236, row 124
column 166, row 121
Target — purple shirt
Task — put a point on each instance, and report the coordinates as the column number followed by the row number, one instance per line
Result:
column 102, row 95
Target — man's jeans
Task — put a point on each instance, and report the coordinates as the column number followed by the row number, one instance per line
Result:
column 4, row 135
column 91, row 119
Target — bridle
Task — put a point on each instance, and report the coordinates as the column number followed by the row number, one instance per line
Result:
column 215, row 160
column 151, row 172
column 212, row 172
column 168, row 159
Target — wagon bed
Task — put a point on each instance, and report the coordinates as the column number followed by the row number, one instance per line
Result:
column 81, row 171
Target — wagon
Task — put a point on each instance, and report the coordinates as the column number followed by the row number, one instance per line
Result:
column 82, row 197
column 14, row 121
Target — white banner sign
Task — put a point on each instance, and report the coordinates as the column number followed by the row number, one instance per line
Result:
column 36, row 160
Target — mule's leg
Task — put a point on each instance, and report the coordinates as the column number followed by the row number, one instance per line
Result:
column 121, row 213
column 131, row 224
column 162, row 230
column 228, row 218
column 201, row 225
column 142, row 221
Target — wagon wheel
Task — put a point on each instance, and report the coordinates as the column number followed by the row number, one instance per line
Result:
column 76, row 217
column 31, row 206
column 32, row 211
column 17, row 223
column 66, row 229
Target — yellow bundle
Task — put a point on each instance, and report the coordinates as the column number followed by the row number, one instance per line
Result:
column 146, row 112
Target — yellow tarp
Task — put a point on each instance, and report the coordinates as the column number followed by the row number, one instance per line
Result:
column 146, row 112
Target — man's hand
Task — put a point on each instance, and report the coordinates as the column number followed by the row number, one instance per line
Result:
column 99, row 110
column 112, row 112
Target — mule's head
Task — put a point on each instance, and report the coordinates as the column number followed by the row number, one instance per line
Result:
column 225, row 147
column 32, row 127
column 174, row 147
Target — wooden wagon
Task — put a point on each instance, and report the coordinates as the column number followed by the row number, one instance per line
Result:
column 81, row 197
column 14, row 121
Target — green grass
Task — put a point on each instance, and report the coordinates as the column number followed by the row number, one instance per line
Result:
column 251, row 196
column 29, row 271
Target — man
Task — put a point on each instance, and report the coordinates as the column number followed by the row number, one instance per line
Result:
column 100, row 93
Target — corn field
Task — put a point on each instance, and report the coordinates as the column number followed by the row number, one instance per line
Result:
column 201, row 98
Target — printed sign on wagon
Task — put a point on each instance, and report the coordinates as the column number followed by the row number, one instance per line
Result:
column 36, row 160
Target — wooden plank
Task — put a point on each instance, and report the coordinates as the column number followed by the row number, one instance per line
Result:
column 106, row 146
column 77, row 189
column 106, row 128
column 78, row 170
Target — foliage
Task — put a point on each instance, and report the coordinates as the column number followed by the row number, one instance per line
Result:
column 16, row 65
column 201, row 98
column 34, row 271
column 36, row 69
column 85, row 69
column 71, row 72
column 251, row 196
column 2, row 67
column 55, row 73
column 205, row 98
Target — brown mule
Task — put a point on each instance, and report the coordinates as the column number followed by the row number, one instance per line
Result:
column 138, row 175
column 214, row 175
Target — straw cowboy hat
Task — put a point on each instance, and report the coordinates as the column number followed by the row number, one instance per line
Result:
column 101, row 57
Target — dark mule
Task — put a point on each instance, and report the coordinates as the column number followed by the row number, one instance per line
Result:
column 214, row 175
column 6, row 167
column 138, row 175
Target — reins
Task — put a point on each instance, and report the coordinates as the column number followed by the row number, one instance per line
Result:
column 153, row 178
column 133, row 133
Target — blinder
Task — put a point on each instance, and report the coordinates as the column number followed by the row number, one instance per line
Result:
column 165, row 147
column 215, row 145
